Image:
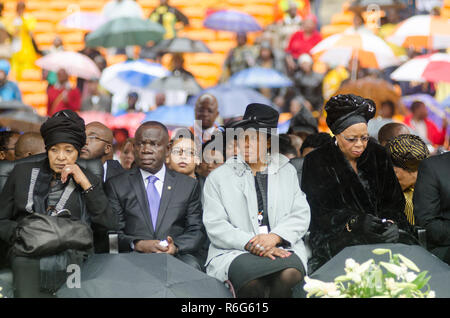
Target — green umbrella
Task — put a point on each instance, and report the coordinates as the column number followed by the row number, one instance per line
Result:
column 122, row 32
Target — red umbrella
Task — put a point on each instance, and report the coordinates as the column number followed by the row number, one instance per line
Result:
column 130, row 122
column 91, row 116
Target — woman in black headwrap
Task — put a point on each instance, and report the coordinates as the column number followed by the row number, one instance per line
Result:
column 350, row 184
column 49, row 186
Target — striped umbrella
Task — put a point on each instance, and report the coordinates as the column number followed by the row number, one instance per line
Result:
column 233, row 21
column 83, row 20
column 422, row 31
column 428, row 67
column 369, row 49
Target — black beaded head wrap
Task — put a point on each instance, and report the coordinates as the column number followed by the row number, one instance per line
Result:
column 346, row 110
column 407, row 151
column 64, row 126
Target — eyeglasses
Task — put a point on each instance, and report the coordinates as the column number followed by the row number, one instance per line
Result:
column 180, row 152
column 92, row 138
column 363, row 139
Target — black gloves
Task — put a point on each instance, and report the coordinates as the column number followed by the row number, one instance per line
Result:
column 391, row 235
column 373, row 229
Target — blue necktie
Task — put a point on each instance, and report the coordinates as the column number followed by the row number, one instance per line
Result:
column 153, row 199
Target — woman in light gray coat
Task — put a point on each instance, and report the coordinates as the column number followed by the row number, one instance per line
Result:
column 256, row 216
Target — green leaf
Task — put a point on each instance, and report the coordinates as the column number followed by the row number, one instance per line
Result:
column 421, row 280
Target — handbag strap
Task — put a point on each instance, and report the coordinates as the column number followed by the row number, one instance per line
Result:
column 34, row 175
column 65, row 196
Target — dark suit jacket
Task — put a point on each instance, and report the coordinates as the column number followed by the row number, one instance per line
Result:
column 180, row 210
column 432, row 199
column 113, row 168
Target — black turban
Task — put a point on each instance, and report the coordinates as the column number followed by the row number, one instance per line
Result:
column 64, row 126
column 407, row 151
column 344, row 111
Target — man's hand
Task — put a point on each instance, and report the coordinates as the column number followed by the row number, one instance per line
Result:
column 150, row 246
column 261, row 243
column 172, row 249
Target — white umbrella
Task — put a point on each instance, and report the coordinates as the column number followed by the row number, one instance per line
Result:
column 422, row 31
column 369, row 49
column 429, row 67
column 75, row 64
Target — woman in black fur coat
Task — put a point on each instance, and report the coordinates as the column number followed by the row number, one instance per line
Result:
column 350, row 184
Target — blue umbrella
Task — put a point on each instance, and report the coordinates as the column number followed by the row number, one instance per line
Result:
column 258, row 77
column 436, row 111
column 233, row 100
column 173, row 116
column 231, row 20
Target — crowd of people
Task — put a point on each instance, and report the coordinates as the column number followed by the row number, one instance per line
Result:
column 235, row 198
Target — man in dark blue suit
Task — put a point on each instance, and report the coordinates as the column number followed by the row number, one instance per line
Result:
column 158, row 210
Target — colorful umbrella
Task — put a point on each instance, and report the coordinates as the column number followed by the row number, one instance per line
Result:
column 83, row 20
column 231, row 20
column 369, row 49
column 422, row 31
column 233, row 100
column 74, row 63
column 131, row 76
column 429, row 67
column 91, row 116
column 258, row 77
column 129, row 121
column 173, row 116
column 122, row 32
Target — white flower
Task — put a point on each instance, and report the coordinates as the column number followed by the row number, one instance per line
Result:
column 364, row 267
column 391, row 284
column 314, row 286
column 356, row 277
column 351, row 264
column 431, row 294
column 394, row 269
column 410, row 277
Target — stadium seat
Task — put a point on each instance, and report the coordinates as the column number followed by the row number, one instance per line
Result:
column 44, row 27
column 32, row 75
column 44, row 38
column 32, row 86
column 208, row 59
column 48, row 15
column 91, row 5
column 195, row 12
column 37, row 100
column 221, row 46
column 202, row 34
column 258, row 10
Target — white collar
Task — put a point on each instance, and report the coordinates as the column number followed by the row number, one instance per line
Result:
column 160, row 174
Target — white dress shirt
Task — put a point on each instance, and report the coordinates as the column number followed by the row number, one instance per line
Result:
column 158, row 183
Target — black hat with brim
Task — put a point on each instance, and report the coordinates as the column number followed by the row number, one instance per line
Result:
column 258, row 116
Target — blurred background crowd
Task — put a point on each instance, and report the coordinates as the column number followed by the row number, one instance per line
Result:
column 122, row 62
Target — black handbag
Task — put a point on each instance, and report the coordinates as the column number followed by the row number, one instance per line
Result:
column 42, row 235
